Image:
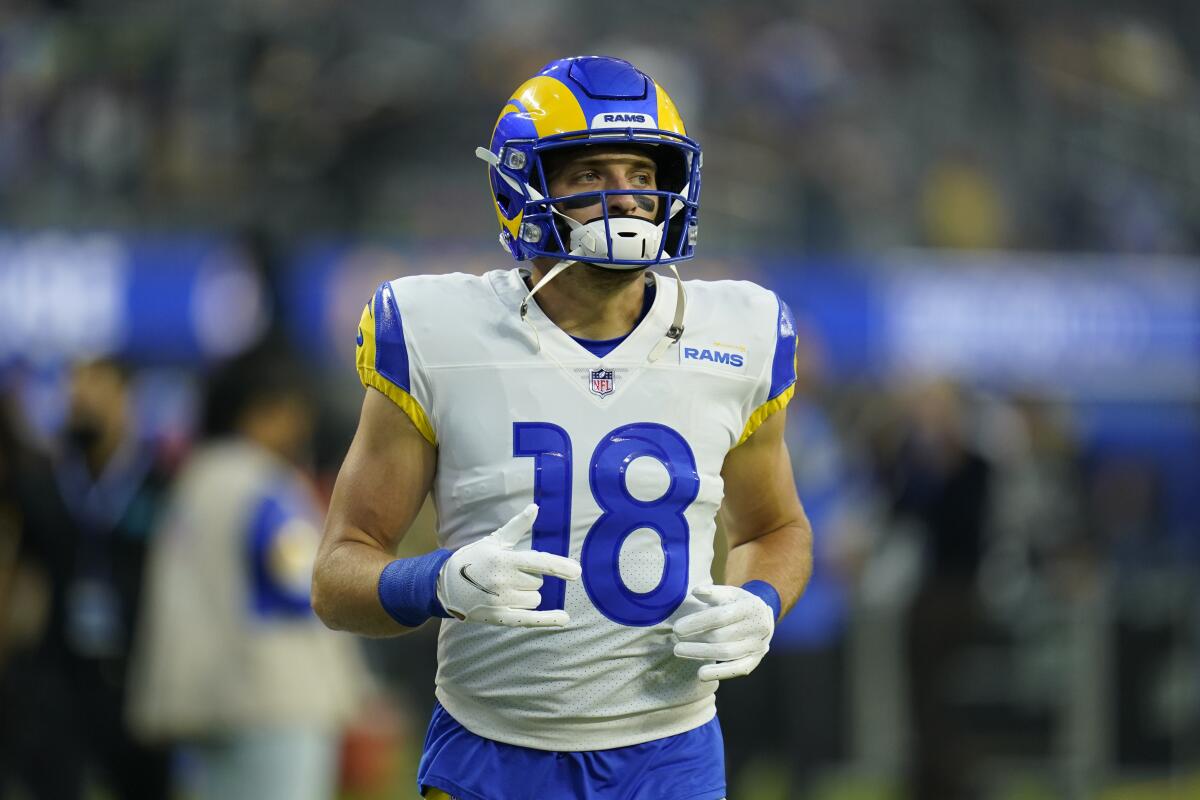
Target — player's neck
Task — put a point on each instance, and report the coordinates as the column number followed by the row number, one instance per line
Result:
column 591, row 303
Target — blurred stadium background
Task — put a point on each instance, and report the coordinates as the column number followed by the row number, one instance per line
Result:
column 985, row 214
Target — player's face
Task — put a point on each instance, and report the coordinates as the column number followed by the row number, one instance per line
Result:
column 612, row 169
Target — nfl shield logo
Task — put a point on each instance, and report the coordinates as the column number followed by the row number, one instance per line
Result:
column 602, row 382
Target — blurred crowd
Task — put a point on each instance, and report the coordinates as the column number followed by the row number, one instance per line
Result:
column 997, row 603
column 153, row 597
column 987, row 592
column 829, row 126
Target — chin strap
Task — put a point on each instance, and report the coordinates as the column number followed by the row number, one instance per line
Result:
column 550, row 275
column 675, row 332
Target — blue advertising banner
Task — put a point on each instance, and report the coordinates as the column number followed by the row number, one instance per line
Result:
column 1083, row 328
column 175, row 299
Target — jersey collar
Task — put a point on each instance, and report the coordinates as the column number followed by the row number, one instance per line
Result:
column 511, row 288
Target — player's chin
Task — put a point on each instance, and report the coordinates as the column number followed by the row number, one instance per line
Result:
column 613, row 276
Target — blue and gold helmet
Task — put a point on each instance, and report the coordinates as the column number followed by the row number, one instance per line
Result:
column 578, row 102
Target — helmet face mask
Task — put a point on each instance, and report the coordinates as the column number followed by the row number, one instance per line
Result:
column 591, row 102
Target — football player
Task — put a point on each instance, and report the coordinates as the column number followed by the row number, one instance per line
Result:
column 580, row 423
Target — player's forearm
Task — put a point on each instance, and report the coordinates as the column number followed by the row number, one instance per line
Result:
column 781, row 557
column 345, row 591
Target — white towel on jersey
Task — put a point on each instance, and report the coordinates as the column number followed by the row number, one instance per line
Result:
column 624, row 458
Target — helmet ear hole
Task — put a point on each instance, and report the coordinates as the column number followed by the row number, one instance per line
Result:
column 509, row 204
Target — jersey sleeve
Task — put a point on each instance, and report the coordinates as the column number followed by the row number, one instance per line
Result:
column 282, row 547
column 387, row 362
column 778, row 381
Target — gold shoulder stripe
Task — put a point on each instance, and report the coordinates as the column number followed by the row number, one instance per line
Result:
column 766, row 410
column 401, row 398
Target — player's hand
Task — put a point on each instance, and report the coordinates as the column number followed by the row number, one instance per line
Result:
column 488, row 581
column 734, row 631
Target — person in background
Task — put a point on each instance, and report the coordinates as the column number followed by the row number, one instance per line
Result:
column 788, row 719
column 231, row 659
column 24, row 604
column 86, row 517
column 940, row 486
column 11, row 534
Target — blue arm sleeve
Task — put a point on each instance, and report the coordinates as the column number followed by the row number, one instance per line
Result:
column 408, row 588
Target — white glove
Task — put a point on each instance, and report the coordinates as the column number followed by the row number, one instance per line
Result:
column 488, row 581
column 735, row 631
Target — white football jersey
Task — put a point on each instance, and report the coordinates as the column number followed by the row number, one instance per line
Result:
column 624, row 459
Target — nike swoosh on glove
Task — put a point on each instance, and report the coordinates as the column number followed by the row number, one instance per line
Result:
column 734, row 631
column 488, row 581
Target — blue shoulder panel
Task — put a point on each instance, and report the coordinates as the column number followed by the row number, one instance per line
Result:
column 391, row 354
column 783, row 368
